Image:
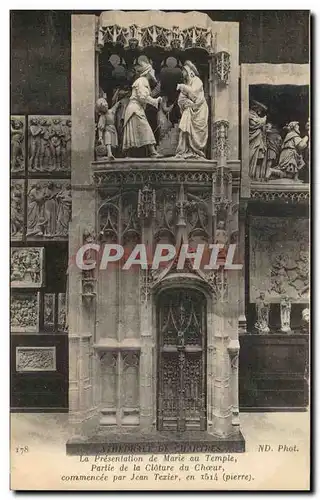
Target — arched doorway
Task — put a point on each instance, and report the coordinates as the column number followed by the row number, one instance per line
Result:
column 181, row 374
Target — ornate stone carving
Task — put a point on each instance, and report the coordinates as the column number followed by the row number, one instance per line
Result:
column 291, row 196
column 193, row 124
column 17, row 141
column 25, row 312
column 49, row 209
column 146, row 202
column 279, row 259
column 88, row 276
column 222, row 67
column 27, row 267
column 221, row 140
column 134, row 36
column 35, row 359
column 144, row 177
column 17, row 197
column 285, row 312
column 49, row 310
column 62, row 312
column 130, row 379
column 49, row 144
column 262, row 312
column 218, row 281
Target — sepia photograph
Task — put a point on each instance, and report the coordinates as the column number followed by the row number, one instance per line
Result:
column 159, row 250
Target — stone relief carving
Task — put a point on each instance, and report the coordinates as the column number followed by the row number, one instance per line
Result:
column 143, row 177
column 285, row 312
column 279, row 258
column 49, row 310
column 88, row 276
column 49, row 209
column 221, row 141
column 49, row 144
column 222, row 67
column 305, row 316
column 62, row 312
column 146, row 202
column 35, row 359
column 291, row 196
column 17, row 142
column 274, row 153
column 135, row 36
column 193, row 125
column 27, row 267
column 17, row 197
column 24, row 312
column 262, row 313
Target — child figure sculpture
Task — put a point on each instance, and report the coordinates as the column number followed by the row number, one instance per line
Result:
column 107, row 132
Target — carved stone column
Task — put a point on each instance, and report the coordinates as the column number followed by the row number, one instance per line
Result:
column 146, row 211
column 233, row 350
column 147, row 396
column 242, row 320
column 81, row 318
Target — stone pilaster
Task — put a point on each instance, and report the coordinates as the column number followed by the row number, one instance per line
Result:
column 81, row 316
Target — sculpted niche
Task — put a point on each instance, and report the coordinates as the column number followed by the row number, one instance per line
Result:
column 276, row 151
column 156, row 115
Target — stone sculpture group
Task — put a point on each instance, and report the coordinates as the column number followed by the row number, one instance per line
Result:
column 270, row 155
column 134, row 128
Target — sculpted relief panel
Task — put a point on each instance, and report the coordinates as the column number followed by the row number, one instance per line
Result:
column 279, row 259
column 25, row 312
column 49, row 209
column 35, row 359
column 279, row 134
column 49, row 144
column 27, row 267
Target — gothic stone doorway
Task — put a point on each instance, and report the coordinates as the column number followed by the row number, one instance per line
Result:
column 181, row 316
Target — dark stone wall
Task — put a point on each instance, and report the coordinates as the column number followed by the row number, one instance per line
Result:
column 41, row 51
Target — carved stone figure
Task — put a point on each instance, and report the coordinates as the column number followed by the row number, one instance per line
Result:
column 163, row 117
column 262, row 311
column 273, row 144
column 50, row 209
column 17, row 209
column 17, row 145
column 137, row 131
column 36, row 131
column 193, row 125
column 36, row 220
column 64, row 201
column 291, row 160
column 66, row 145
column 107, row 132
column 285, row 312
column 257, row 140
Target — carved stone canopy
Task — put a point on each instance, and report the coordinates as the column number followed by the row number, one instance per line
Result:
column 166, row 30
